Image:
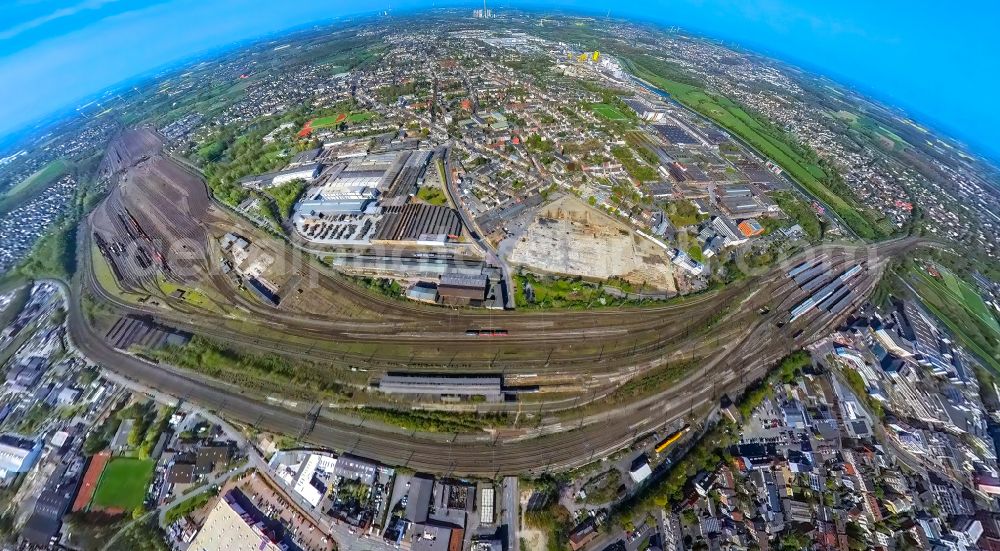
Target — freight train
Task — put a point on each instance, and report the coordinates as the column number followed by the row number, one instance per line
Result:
column 486, row 333
column 671, row 439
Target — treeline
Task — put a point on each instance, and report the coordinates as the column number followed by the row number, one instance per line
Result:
column 189, row 505
column 434, row 421
column 801, row 213
column 635, row 168
column 99, row 438
column 234, row 153
column 285, row 196
column 547, row 514
column 383, row 286
column 147, row 426
column 257, row 370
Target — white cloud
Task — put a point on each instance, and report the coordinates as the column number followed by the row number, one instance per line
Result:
column 14, row 31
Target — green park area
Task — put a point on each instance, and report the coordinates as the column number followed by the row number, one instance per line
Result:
column 800, row 213
column 569, row 292
column 635, row 167
column 333, row 120
column 961, row 309
column 551, row 292
column 34, row 185
column 684, row 213
column 608, row 111
column 798, row 161
column 194, row 297
column 123, row 483
column 285, row 196
column 432, row 195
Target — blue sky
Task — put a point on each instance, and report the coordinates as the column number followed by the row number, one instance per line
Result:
column 938, row 61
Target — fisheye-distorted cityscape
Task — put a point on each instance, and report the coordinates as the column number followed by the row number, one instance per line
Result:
column 489, row 278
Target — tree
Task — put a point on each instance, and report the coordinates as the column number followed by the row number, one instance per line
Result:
column 857, row 538
column 6, row 524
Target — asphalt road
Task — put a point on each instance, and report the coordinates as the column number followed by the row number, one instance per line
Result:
column 510, row 509
column 491, row 254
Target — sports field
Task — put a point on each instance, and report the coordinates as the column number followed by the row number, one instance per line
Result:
column 123, row 484
column 90, row 480
column 609, row 112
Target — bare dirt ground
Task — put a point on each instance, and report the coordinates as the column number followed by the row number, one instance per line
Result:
column 569, row 237
column 129, row 148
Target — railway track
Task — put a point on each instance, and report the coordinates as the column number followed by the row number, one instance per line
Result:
column 392, row 337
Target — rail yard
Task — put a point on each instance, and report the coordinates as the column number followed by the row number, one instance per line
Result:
column 559, row 369
column 493, row 280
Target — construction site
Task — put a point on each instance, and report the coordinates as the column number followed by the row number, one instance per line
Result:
column 567, row 237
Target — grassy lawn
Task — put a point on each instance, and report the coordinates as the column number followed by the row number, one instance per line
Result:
column 608, row 111
column 333, row 120
column 361, row 116
column 432, row 195
column 563, row 292
column 102, row 272
column 191, row 296
column 123, row 484
column 34, row 185
column 964, row 294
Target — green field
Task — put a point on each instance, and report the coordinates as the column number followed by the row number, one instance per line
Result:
column 123, row 483
column 961, row 309
column 635, row 168
column 34, row 185
column 966, row 295
column 333, row 120
column 609, row 112
column 432, row 195
column 192, row 296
